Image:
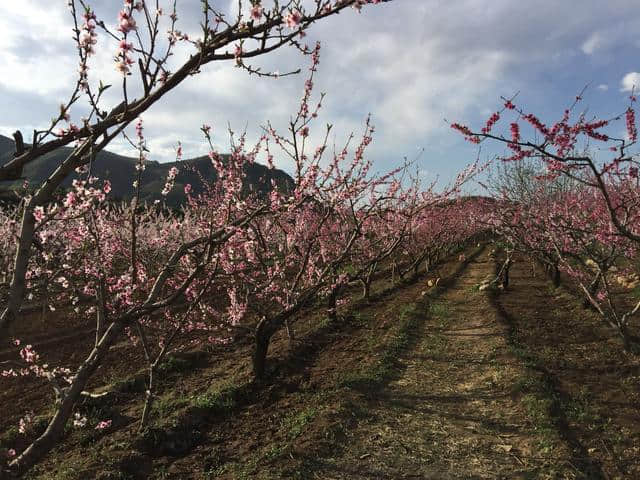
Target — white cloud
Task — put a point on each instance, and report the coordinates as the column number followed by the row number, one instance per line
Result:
column 629, row 81
column 410, row 63
column 32, row 41
column 593, row 43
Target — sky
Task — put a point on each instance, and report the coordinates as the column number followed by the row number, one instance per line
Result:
column 412, row 64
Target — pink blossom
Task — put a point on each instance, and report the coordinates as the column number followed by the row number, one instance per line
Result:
column 29, row 355
column 126, row 22
column 25, row 423
column 237, row 309
column 515, row 132
column 461, row 128
column 237, row 53
column 293, row 19
column 491, row 122
column 70, row 200
column 256, row 12
column 79, row 421
column 103, row 424
column 536, row 123
column 125, row 46
column 469, row 136
column 11, row 453
column 38, row 213
column 171, row 175
column 87, row 40
column 632, row 131
column 122, row 67
column 64, row 114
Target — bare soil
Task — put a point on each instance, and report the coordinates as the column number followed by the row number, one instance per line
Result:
column 444, row 382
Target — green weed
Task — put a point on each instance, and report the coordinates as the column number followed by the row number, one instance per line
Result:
column 297, row 423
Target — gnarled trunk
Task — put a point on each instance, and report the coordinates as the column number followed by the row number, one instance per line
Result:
column 593, row 287
column 45, row 442
column 332, row 305
column 556, row 275
column 291, row 333
column 262, row 338
column 150, row 397
column 366, row 289
column 505, row 273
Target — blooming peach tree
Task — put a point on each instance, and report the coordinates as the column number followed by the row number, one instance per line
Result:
column 590, row 226
column 142, row 56
column 132, row 269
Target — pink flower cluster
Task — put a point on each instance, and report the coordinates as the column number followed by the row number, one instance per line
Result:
column 466, row 131
column 79, row 420
column 25, row 423
column 88, row 36
column 360, row 3
column 123, row 57
column 31, row 367
column 104, row 424
column 169, row 183
column 293, row 19
column 237, row 53
column 491, row 122
column 126, row 22
column 256, row 12
column 632, row 131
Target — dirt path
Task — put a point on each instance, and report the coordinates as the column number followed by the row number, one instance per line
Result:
column 420, row 383
column 455, row 412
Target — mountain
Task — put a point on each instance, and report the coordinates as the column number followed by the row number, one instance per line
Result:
column 6, row 145
column 120, row 170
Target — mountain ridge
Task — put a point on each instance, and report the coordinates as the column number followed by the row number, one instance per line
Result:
column 120, row 170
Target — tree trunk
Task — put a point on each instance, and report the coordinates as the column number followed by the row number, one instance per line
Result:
column 148, row 403
column 505, row 276
column 366, row 283
column 401, row 274
column 593, row 287
column 291, row 334
column 27, row 229
column 16, row 290
column 624, row 335
column 100, row 310
column 262, row 338
column 45, row 442
column 366, row 289
column 332, row 306
column 556, row 275
column 533, row 267
column 416, row 268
